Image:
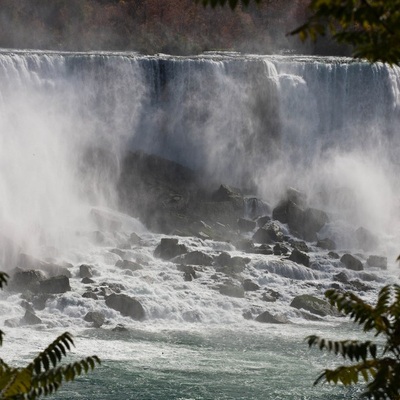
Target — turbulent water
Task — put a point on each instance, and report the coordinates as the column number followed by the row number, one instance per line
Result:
column 327, row 126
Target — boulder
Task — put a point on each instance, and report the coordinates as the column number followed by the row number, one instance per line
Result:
column 30, row 319
column 90, row 295
column 229, row 194
column 85, row 271
column 267, row 318
column 271, row 232
column 341, row 277
column 377, row 262
column 246, row 225
column 289, row 213
column 326, row 244
column 130, row 265
column 246, row 245
column 197, row 258
column 263, row 220
column 57, row 284
column 333, row 255
column 187, row 270
column 26, row 280
column 313, row 305
column 126, row 305
column 95, row 317
column 250, row 286
column 280, row 249
column 314, row 220
column 232, row 290
column 255, row 207
column 351, row 262
column 87, row 281
column 299, row 245
column 300, row 258
column 134, row 239
column 169, row 248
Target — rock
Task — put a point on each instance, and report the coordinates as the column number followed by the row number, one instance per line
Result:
column 247, row 315
column 296, row 196
column 250, row 286
column 53, row 270
column 187, row 277
column 246, row 245
column 326, row 244
column 300, row 258
column 26, row 280
column 377, row 262
column 270, row 233
column 231, row 265
column 341, row 277
column 90, row 295
column 30, row 319
column 118, row 252
column 87, row 281
column 350, row 262
column 96, row 317
column 85, row 271
column 39, row 301
column 268, row 318
column 130, row 265
column 27, row 306
column 366, row 240
column 289, row 213
column 360, row 286
column 169, row 248
column 263, row 249
column 313, row 305
column 280, row 249
column 333, row 255
column 120, row 328
column 12, row 323
column 314, row 220
column 299, row 245
column 232, row 290
column 246, row 225
column 263, row 220
column 270, row 296
column 57, row 284
column 126, row 305
column 197, row 258
column 187, row 270
column 228, row 194
column 255, row 208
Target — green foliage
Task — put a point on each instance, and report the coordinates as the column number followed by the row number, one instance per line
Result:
column 371, row 27
column 379, row 366
column 44, row 375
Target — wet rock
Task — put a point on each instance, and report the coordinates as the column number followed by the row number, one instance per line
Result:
column 267, row 318
column 90, row 295
column 296, row 196
column 360, row 286
column 232, row 290
column 255, row 208
column 246, row 225
column 129, row 265
column 341, row 277
column 333, row 255
column 187, row 270
column 30, row 319
column 187, row 277
column 229, row 194
column 85, row 271
column 351, row 262
column 120, row 328
column 299, row 245
column 169, row 248
column 377, row 262
column 247, row 315
column 263, row 249
column 53, row 270
column 270, row 233
column 39, row 300
column 326, row 244
column 313, row 305
column 12, row 323
column 118, row 252
column 300, row 258
column 197, row 258
column 26, row 280
column 126, row 305
column 27, row 306
column 246, row 245
column 280, row 249
column 95, row 317
column 87, row 281
column 314, row 220
column 263, row 220
column 134, row 239
column 250, row 286
column 57, row 284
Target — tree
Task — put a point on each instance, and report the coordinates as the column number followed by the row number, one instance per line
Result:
column 44, row 374
column 371, row 27
column 376, row 364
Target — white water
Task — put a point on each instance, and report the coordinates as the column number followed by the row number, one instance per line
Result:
column 326, row 126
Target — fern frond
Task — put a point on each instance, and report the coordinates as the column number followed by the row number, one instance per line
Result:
column 3, row 279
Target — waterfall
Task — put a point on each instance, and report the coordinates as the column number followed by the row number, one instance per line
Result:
column 328, row 126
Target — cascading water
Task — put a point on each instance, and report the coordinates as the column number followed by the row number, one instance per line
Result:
column 326, row 126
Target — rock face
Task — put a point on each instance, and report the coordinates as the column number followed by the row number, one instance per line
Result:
column 126, row 305
column 313, row 305
column 57, row 284
column 169, row 248
column 351, row 262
